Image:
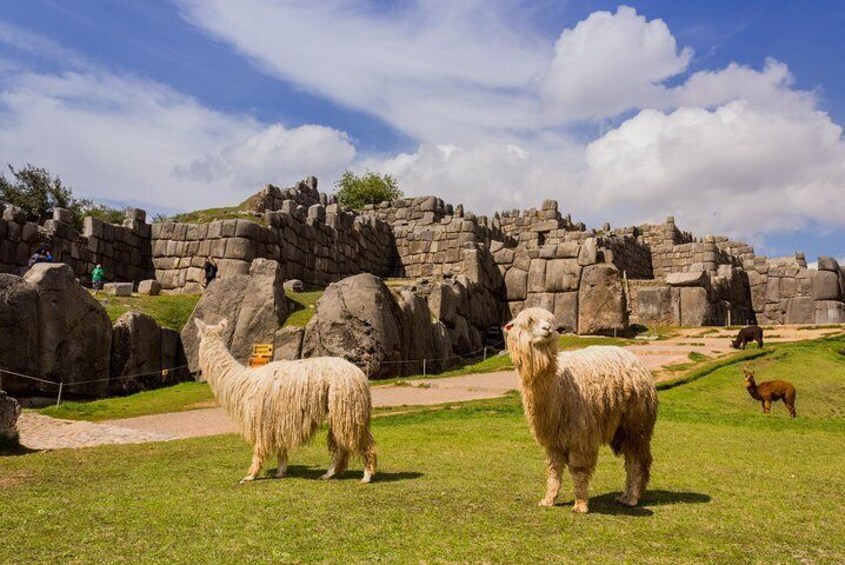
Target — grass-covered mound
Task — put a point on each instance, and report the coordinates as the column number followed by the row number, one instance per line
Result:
column 169, row 310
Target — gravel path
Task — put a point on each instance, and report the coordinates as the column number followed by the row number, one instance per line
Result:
column 43, row 432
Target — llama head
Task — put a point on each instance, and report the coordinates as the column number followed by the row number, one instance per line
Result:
column 532, row 341
column 735, row 343
column 749, row 376
column 534, row 326
column 204, row 329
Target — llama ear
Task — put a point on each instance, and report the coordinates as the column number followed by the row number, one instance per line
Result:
column 201, row 327
column 224, row 323
column 508, row 326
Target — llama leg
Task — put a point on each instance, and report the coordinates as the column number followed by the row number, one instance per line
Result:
column 791, row 407
column 767, row 406
column 340, row 457
column 581, row 468
column 368, row 454
column 255, row 468
column 556, row 466
column 283, row 464
column 638, row 468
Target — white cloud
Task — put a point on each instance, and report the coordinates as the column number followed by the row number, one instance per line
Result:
column 490, row 102
column 610, row 63
column 738, row 169
column 441, row 72
column 127, row 139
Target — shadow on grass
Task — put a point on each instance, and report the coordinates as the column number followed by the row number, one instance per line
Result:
column 314, row 473
column 606, row 503
column 10, row 448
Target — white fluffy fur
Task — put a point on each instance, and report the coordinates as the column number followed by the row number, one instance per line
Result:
column 577, row 401
column 279, row 406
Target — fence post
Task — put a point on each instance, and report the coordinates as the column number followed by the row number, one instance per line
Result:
column 485, row 353
column 368, row 370
column 423, row 367
column 59, row 398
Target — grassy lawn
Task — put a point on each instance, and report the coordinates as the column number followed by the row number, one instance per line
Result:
column 461, row 485
column 176, row 398
column 304, row 306
column 169, row 310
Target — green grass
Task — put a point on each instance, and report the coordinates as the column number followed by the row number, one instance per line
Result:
column 212, row 214
column 460, row 485
column 169, row 310
column 304, row 306
column 176, row 398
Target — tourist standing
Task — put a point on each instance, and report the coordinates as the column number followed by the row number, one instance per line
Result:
column 210, row 269
column 97, row 278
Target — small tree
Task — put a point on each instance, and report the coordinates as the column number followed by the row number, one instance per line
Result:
column 370, row 188
column 37, row 192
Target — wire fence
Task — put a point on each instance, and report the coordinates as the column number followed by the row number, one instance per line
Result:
column 61, row 385
column 164, row 372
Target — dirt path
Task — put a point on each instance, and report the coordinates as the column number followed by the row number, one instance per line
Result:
column 42, row 432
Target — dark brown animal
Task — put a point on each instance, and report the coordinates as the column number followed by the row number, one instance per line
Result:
column 747, row 335
column 770, row 391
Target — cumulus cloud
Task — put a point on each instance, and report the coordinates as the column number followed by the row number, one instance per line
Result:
column 610, row 63
column 126, row 139
column 503, row 117
column 439, row 71
column 738, row 168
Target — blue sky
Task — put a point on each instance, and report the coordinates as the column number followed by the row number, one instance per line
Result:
column 726, row 114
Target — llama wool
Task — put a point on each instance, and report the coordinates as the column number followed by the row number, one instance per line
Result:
column 577, row 401
column 279, row 406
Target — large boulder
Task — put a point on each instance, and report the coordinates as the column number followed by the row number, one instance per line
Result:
column 173, row 361
column 263, row 309
column 829, row 312
column 655, row 306
column 287, row 343
column 74, row 331
column 800, row 310
column 135, row 353
column 417, row 336
column 254, row 305
column 18, row 333
column 826, row 285
column 358, row 319
column 601, row 301
column 10, row 410
column 695, row 306
column 221, row 300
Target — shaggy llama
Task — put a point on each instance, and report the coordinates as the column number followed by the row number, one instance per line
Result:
column 577, row 401
column 279, row 406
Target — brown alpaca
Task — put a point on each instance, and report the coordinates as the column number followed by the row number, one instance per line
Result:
column 770, row 391
column 747, row 335
column 576, row 401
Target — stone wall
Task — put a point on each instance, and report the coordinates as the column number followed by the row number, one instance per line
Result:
column 785, row 291
column 123, row 250
column 429, row 236
column 318, row 245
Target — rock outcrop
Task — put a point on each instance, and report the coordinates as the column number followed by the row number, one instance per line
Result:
column 254, row 305
column 358, row 319
column 74, row 331
column 18, row 333
column 10, row 410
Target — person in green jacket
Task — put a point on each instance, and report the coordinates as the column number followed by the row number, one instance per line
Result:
column 97, row 277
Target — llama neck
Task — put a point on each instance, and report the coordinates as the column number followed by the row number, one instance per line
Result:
column 752, row 390
column 222, row 371
column 540, row 394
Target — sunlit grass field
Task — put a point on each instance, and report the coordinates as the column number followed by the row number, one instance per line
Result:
column 730, row 485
